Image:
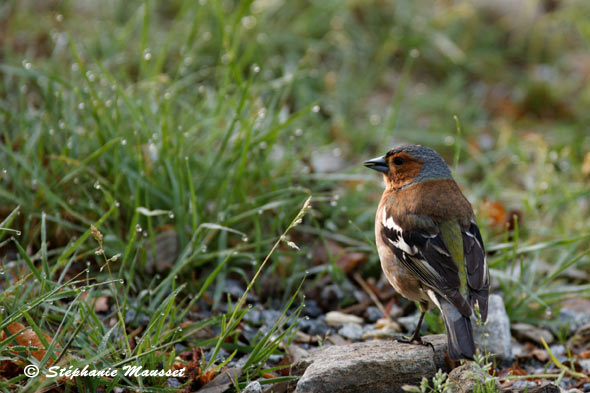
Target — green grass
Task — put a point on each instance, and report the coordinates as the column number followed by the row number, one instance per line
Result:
column 208, row 119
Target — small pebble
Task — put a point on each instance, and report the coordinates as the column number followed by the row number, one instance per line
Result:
column 586, row 387
column 351, row 331
column 174, row 383
column 314, row 327
column 253, row 387
column 336, row 318
column 373, row 314
column 523, row 384
column 312, row 309
column 584, row 363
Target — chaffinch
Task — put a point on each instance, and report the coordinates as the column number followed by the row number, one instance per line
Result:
column 430, row 247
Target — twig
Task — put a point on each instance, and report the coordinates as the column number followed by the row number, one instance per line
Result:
column 371, row 294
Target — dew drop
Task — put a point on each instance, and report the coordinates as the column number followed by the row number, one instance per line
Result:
column 121, row 281
column 245, row 238
column 145, row 234
column 171, row 215
column 315, row 108
column 138, row 228
column 147, row 56
column 117, row 203
column 97, row 185
column 81, row 106
column 256, row 68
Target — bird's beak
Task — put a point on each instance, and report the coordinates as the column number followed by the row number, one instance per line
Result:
column 378, row 164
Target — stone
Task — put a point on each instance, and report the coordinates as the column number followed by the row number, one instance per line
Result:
column 312, row 309
column 253, row 387
column 351, row 331
column 494, row 336
column 377, row 366
column 337, row 318
column 373, row 314
column 574, row 313
column 527, row 332
column 466, row 378
column 314, row 327
column 581, row 336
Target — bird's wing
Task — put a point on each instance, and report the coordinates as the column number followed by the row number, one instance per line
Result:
column 478, row 276
column 419, row 245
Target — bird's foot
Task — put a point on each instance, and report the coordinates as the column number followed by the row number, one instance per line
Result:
column 415, row 340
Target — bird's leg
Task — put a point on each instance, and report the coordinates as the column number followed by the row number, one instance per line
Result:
column 415, row 338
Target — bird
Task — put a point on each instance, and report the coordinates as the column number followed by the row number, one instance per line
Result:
column 429, row 244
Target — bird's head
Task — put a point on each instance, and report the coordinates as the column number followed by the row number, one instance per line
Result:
column 408, row 164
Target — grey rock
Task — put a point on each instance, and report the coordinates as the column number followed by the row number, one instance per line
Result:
column 584, row 363
column 373, row 314
column 312, row 309
column 253, row 387
column 174, row 383
column 466, row 377
column 527, row 332
column 586, row 387
column 270, row 317
column 314, row 327
column 351, row 331
column 495, row 336
column 574, row 319
column 377, row 366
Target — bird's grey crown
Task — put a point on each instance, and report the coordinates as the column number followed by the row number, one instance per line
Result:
column 433, row 165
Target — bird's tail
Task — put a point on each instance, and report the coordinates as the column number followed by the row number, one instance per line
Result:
column 459, row 332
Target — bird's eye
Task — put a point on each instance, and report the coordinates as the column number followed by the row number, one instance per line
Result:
column 398, row 160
